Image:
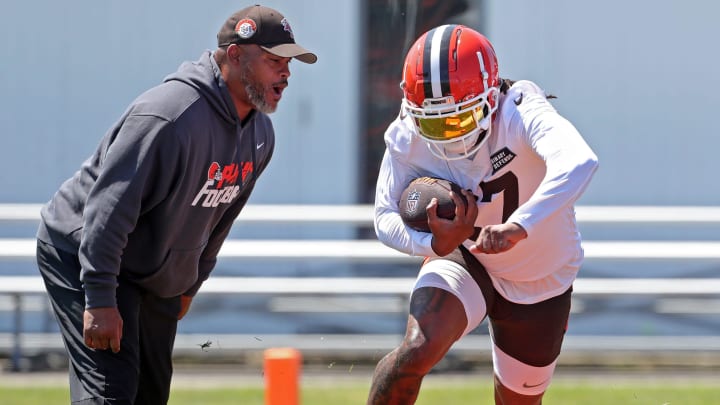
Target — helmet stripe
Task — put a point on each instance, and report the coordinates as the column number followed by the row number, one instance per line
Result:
column 445, row 61
column 435, row 61
column 483, row 71
column 427, row 76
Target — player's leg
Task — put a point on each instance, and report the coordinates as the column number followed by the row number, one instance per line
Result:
column 436, row 320
column 96, row 376
column 158, row 326
column 527, row 340
column 445, row 305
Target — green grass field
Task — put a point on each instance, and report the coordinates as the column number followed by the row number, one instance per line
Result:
column 560, row 393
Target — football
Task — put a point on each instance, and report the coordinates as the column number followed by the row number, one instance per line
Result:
column 417, row 196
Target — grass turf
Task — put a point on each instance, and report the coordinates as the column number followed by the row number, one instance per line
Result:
column 560, row 393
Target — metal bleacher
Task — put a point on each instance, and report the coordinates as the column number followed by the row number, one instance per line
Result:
column 608, row 248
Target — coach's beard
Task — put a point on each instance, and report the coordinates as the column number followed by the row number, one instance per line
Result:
column 255, row 91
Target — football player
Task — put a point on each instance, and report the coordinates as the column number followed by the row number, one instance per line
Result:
column 504, row 142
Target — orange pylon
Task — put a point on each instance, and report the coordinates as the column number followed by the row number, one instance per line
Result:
column 282, row 372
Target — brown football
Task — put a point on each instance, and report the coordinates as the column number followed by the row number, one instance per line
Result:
column 417, row 196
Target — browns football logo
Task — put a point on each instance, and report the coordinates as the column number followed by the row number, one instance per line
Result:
column 246, row 28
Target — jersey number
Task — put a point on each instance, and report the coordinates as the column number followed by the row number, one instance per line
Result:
column 508, row 184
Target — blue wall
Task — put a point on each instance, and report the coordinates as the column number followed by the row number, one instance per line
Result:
column 69, row 70
column 637, row 78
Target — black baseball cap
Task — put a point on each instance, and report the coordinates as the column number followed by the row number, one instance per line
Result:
column 266, row 27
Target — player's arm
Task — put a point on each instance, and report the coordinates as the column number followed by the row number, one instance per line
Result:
column 389, row 227
column 570, row 162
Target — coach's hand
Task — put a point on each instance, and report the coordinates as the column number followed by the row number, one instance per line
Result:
column 102, row 328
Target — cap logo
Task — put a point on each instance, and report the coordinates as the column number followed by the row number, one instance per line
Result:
column 287, row 28
column 246, row 28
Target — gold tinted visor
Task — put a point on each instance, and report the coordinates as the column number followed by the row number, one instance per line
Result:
column 450, row 126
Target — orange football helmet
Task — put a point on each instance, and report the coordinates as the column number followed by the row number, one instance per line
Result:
column 451, row 87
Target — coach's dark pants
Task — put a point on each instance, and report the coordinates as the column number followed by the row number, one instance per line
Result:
column 140, row 373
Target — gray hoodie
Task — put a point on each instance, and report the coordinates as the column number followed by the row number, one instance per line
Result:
column 156, row 200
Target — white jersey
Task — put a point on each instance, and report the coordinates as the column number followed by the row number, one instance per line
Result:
column 531, row 170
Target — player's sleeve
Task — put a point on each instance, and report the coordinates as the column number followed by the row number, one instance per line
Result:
column 393, row 177
column 570, row 161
